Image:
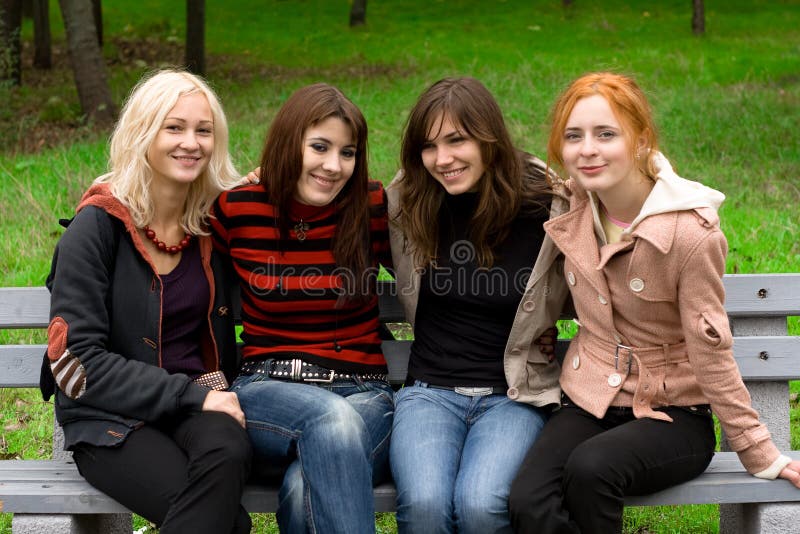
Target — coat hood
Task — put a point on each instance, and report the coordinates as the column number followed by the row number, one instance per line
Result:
column 673, row 193
column 100, row 196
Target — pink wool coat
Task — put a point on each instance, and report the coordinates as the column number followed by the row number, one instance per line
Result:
column 653, row 328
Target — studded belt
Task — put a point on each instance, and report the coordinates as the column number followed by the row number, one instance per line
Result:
column 298, row 370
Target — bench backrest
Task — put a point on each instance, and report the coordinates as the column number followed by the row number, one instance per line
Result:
column 758, row 307
column 757, row 303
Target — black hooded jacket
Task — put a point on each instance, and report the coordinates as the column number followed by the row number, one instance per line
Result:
column 103, row 359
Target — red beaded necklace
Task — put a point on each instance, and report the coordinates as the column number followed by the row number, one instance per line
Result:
column 163, row 247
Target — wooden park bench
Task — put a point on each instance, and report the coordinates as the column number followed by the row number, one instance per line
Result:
column 49, row 496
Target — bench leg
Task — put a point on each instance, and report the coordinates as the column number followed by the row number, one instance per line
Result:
column 71, row 524
column 772, row 518
column 730, row 519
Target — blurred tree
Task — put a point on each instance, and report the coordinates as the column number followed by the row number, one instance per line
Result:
column 97, row 15
column 195, row 58
column 698, row 17
column 358, row 13
column 87, row 61
column 10, row 57
column 42, row 50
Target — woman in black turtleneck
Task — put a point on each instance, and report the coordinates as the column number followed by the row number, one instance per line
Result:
column 480, row 283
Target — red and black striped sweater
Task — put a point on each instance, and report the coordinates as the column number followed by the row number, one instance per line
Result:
column 289, row 289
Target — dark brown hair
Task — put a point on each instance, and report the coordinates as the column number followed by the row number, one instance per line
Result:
column 282, row 164
column 510, row 182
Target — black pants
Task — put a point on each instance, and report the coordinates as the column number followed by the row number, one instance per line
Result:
column 185, row 476
column 577, row 473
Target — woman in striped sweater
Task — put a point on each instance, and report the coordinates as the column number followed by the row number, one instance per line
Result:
column 305, row 243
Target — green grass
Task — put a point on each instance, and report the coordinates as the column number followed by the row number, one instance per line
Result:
column 726, row 104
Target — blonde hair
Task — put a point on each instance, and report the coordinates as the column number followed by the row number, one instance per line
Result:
column 628, row 103
column 142, row 116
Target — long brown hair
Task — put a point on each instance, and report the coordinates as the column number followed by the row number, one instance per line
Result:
column 630, row 106
column 511, row 182
column 282, row 164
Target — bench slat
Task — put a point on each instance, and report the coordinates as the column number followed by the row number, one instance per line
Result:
column 28, row 307
column 724, row 482
column 19, row 364
column 781, row 294
column 24, row 307
column 780, row 359
column 53, row 486
column 39, row 486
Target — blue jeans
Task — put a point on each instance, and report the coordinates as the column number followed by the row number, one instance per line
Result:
column 453, row 458
column 334, row 438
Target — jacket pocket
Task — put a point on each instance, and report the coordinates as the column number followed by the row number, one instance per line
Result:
column 714, row 330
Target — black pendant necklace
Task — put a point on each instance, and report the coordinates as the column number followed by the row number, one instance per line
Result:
column 300, row 230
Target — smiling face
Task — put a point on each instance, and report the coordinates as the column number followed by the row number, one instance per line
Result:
column 183, row 145
column 329, row 157
column 452, row 157
column 595, row 150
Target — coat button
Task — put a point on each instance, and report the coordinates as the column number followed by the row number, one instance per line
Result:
column 512, row 393
column 515, row 351
column 528, row 305
column 602, row 300
column 576, row 362
column 571, row 278
column 617, row 338
column 614, row 380
column 637, row 285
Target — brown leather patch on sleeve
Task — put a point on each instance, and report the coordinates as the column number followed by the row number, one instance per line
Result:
column 56, row 338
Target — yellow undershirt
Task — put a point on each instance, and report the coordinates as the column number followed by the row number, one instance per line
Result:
column 613, row 231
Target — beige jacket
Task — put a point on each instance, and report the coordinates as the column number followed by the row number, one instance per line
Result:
column 653, row 327
column 532, row 378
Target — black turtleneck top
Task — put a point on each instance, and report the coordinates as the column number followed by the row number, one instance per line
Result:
column 465, row 313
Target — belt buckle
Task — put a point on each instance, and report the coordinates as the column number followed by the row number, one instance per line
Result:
column 473, row 391
column 297, row 373
column 326, row 380
column 616, row 356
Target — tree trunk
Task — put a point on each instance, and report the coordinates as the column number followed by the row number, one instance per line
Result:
column 87, row 61
column 358, row 13
column 42, row 53
column 10, row 57
column 97, row 15
column 195, row 36
column 698, row 17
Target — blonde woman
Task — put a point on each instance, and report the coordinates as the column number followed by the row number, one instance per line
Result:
column 141, row 337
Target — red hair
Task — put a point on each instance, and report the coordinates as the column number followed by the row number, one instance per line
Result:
column 627, row 102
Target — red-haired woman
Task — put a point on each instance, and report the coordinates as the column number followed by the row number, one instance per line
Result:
column 305, row 244
column 644, row 259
